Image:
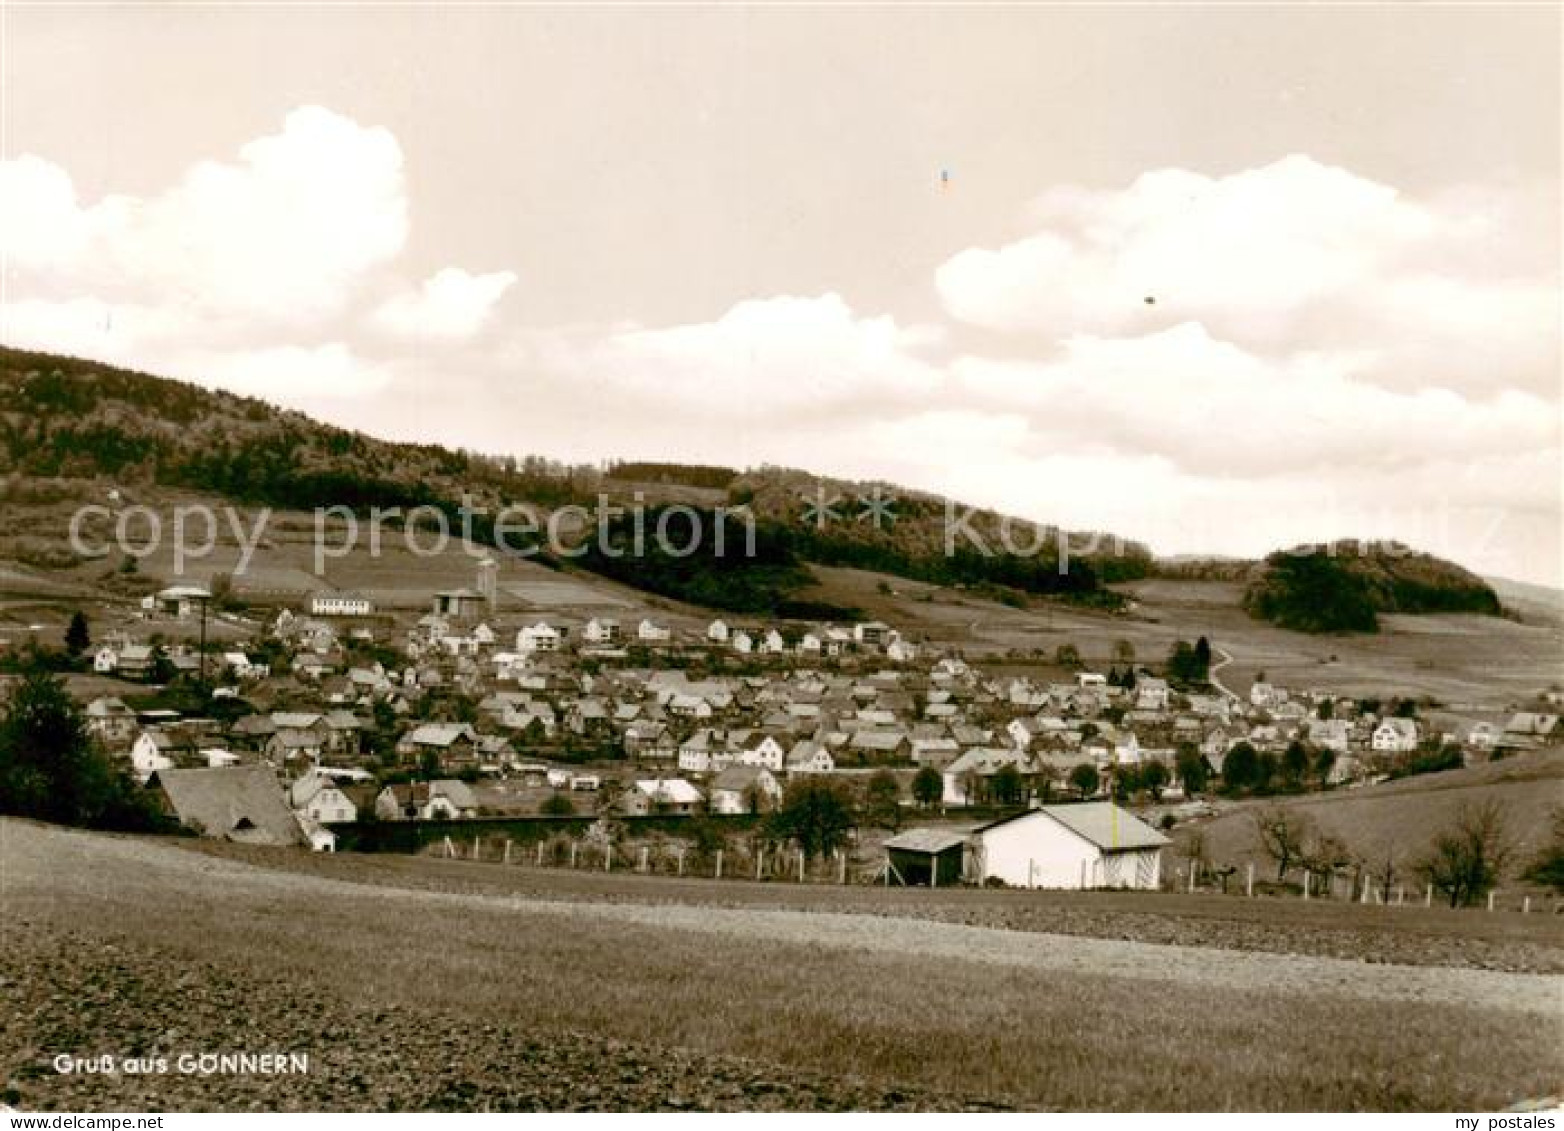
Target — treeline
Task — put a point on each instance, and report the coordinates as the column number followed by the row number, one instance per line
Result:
column 52, row 769
column 72, row 419
column 1344, row 588
column 707, row 476
column 739, row 572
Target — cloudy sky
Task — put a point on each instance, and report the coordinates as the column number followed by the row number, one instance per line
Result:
column 1219, row 278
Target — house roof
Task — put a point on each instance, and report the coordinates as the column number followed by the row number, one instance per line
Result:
column 242, row 803
column 932, row 841
column 1102, row 823
column 675, row 791
column 738, row 778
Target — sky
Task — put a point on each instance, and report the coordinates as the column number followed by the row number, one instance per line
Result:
column 1222, row 279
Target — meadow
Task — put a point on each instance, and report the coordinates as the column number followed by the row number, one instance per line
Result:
column 969, row 1014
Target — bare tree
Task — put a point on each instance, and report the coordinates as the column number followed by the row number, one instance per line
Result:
column 1284, row 835
column 1465, row 860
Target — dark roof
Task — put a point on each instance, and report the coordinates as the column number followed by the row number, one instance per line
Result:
column 242, row 803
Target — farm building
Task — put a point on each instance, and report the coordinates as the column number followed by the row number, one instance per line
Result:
column 932, row 857
column 240, row 803
column 1090, row 845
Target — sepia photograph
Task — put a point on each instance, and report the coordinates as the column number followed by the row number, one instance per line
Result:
column 781, row 557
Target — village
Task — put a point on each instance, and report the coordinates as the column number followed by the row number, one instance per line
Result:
column 331, row 715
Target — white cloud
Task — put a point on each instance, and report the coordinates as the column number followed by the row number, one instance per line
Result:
column 1292, row 257
column 1214, row 408
column 775, row 359
column 285, row 233
column 450, row 304
column 295, row 373
column 250, row 273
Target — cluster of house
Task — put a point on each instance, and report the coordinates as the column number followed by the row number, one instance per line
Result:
column 575, row 709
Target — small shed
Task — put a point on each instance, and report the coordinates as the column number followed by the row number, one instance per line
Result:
column 931, row 857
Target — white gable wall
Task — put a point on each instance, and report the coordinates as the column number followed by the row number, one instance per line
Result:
column 1036, row 851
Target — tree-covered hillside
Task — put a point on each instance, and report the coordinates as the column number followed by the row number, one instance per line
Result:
column 1344, row 587
column 68, row 419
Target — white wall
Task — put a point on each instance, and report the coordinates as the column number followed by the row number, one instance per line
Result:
column 1037, row 851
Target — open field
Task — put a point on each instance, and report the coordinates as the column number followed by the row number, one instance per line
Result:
column 437, row 998
column 1473, row 663
column 1479, row 663
column 1398, row 819
column 1409, row 937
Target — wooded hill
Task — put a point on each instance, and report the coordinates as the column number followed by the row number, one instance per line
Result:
column 66, row 418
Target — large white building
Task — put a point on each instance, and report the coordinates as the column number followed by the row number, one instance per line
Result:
column 1090, row 845
column 340, row 605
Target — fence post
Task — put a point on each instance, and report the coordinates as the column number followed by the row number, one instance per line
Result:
column 1526, row 905
column 1306, row 885
column 540, row 854
column 1249, row 881
column 1428, row 896
column 760, row 860
column 681, row 861
column 477, row 852
column 1193, row 866
column 450, row 849
column 608, row 858
column 719, row 863
column 573, row 847
column 507, row 850
column 1401, row 895
column 643, row 858
column 841, row 866
column 800, row 865
column 1490, row 901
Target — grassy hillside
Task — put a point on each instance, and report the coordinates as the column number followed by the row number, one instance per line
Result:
column 1345, row 587
column 484, row 998
column 1398, row 819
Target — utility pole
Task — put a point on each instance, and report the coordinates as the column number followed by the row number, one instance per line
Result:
column 205, row 599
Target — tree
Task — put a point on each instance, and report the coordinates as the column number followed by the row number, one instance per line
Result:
column 1154, row 778
column 51, row 769
column 1295, row 763
column 1084, row 780
column 1240, row 769
column 1189, row 664
column 927, row 786
column 1189, row 765
column 816, row 814
column 1324, row 762
column 77, row 638
column 1548, row 867
column 1125, row 781
column 1067, row 656
column 1005, row 786
column 1464, row 862
column 1124, row 652
column 1326, row 709
column 1284, row 835
column 882, row 799
column 1265, row 768
column 557, row 805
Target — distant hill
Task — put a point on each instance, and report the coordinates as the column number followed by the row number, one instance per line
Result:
column 1345, row 586
column 67, row 419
